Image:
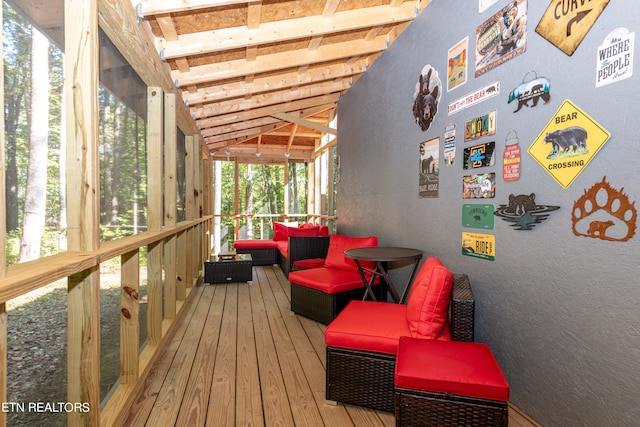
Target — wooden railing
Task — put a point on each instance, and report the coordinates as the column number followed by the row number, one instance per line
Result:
column 239, row 219
column 165, row 297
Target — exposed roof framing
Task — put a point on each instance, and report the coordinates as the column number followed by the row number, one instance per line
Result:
column 264, row 76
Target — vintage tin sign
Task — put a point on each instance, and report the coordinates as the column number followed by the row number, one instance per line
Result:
column 478, row 127
column 473, row 98
column 531, row 90
column 457, row 59
column 477, row 216
column 566, row 22
column 429, row 168
column 450, row 144
column 479, row 245
column 511, row 157
column 479, row 186
column 479, row 155
column 615, row 57
column 501, row 37
column 568, row 143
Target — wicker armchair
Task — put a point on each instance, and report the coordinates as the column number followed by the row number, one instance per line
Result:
column 365, row 378
column 303, row 248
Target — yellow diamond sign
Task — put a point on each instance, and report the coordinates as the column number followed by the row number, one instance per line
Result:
column 568, row 143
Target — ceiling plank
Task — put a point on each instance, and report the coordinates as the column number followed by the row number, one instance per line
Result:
column 278, row 61
column 232, row 105
column 156, row 7
column 277, row 82
column 303, row 122
column 290, row 29
column 265, row 120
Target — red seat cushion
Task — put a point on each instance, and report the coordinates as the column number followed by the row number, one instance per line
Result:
column 371, row 326
column 283, row 247
column 329, row 280
column 339, row 243
column 428, row 303
column 254, row 244
column 368, row 326
column 462, row 368
column 309, row 263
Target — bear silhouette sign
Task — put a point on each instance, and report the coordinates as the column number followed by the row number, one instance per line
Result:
column 568, row 142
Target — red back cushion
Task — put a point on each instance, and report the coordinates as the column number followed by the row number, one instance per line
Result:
column 428, row 304
column 339, row 243
column 281, row 230
column 324, row 230
column 304, row 232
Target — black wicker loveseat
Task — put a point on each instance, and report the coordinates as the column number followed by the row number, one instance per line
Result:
column 366, row 378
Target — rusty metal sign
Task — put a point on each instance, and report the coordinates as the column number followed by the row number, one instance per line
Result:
column 566, row 22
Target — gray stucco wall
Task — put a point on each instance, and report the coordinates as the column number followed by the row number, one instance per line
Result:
column 559, row 311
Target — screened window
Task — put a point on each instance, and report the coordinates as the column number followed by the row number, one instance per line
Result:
column 34, row 146
column 123, row 145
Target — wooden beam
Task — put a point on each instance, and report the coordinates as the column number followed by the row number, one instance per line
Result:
column 83, row 206
column 307, row 123
column 267, row 111
column 270, row 83
column 204, row 42
column 277, row 61
column 170, row 205
column 279, row 97
column 154, row 7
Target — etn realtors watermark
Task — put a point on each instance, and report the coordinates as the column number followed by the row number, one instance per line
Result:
column 43, row 407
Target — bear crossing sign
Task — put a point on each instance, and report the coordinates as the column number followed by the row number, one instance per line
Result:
column 567, row 143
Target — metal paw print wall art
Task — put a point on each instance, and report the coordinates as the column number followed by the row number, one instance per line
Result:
column 604, row 213
column 523, row 211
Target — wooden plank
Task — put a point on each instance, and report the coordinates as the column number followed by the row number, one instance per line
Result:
column 181, row 285
column 167, row 405
column 248, row 397
column 142, row 403
column 221, row 409
column 129, row 318
column 301, row 399
column 170, row 204
column 193, row 411
column 274, row 395
column 334, row 415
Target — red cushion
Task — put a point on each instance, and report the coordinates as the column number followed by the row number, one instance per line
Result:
column 428, row 303
column 462, row 368
column 329, row 280
column 312, row 231
column 339, row 243
column 254, row 244
column 309, row 263
column 280, row 231
column 324, row 230
column 368, row 326
column 283, row 247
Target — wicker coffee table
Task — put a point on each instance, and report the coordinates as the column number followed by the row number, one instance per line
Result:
column 223, row 270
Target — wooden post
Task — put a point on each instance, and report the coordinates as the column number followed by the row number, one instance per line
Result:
column 170, row 203
column 3, row 246
column 83, row 206
column 155, row 123
column 129, row 317
column 190, row 209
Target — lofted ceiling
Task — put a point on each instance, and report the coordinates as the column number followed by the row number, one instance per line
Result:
column 264, row 76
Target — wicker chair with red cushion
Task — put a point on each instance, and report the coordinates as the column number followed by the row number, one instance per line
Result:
column 363, row 339
column 321, row 293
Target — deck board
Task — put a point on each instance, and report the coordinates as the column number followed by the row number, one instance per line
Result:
column 239, row 356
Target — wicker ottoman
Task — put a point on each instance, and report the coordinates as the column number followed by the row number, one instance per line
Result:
column 448, row 383
column 237, row 269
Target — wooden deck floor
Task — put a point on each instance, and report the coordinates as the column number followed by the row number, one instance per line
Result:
column 240, row 357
